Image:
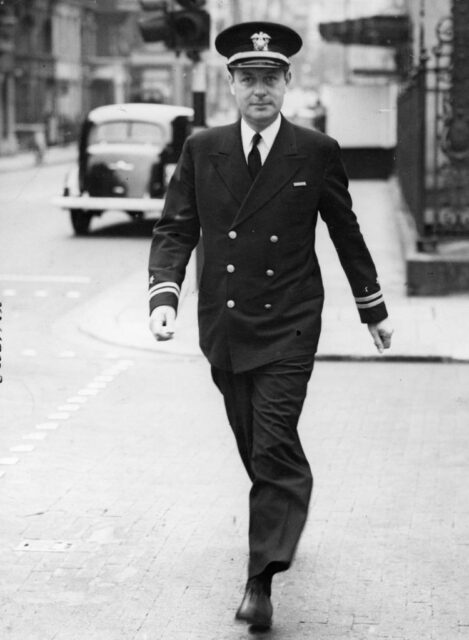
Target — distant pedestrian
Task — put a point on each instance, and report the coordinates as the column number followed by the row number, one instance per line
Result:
column 38, row 145
column 255, row 189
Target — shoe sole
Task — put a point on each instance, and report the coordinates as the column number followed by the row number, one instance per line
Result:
column 255, row 622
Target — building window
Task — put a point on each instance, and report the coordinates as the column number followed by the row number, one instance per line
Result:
column 46, row 37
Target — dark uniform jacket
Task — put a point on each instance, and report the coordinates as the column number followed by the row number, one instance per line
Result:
column 261, row 292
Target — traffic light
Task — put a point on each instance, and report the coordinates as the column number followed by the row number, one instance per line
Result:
column 186, row 29
column 157, row 27
column 191, row 29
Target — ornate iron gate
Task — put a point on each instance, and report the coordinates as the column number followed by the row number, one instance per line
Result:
column 433, row 159
column 448, row 202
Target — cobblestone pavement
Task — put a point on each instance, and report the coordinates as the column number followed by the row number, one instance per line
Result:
column 128, row 520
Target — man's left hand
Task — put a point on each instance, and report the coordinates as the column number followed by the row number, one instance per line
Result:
column 381, row 333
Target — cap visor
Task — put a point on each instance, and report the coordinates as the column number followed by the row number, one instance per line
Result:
column 257, row 64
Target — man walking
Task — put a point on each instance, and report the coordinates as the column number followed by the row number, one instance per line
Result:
column 255, row 189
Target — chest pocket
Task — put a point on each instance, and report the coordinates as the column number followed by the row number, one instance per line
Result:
column 300, row 197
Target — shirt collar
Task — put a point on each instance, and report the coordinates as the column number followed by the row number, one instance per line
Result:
column 268, row 134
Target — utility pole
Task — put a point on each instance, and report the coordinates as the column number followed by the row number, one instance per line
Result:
column 237, row 16
column 199, row 90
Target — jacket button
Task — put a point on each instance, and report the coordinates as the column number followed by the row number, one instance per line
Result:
column 269, row 272
column 273, row 239
column 230, row 304
column 232, row 235
column 230, row 268
column 267, row 306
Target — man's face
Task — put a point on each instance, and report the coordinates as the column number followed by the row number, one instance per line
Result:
column 259, row 94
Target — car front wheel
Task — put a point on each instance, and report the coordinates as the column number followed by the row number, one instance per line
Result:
column 80, row 221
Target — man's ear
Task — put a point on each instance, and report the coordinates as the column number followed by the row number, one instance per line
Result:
column 231, row 83
column 287, row 77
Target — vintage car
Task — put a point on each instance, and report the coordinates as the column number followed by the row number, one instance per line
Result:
column 127, row 153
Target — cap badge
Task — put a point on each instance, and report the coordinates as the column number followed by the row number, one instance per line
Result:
column 260, row 41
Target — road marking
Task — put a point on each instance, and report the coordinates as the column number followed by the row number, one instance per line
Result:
column 34, row 436
column 125, row 364
column 29, row 352
column 104, row 378
column 73, row 404
column 97, row 385
column 73, row 294
column 67, row 354
column 112, row 355
column 77, row 400
column 16, row 277
column 111, row 371
column 9, row 293
column 49, row 426
column 41, row 293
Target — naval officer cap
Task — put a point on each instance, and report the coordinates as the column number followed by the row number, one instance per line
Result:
column 258, row 44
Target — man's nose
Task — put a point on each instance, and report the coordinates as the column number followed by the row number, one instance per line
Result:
column 259, row 89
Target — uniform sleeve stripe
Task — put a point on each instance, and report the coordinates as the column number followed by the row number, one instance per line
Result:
column 368, row 305
column 165, row 287
column 168, row 290
column 377, row 294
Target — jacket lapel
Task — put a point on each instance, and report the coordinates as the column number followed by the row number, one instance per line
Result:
column 231, row 164
column 280, row 166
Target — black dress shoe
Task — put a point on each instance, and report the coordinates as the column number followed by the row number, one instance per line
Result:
column 256, row 608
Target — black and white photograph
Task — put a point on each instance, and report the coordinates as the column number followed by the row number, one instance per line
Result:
column 234, row 319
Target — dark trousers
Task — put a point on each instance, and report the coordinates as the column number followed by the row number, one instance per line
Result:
column 263, row 407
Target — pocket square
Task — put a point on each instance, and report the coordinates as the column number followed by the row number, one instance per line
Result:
column 299, row 184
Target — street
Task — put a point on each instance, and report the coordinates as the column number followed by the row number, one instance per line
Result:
column 123, row 504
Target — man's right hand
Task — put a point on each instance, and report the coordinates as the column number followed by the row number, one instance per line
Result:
column 162, row 322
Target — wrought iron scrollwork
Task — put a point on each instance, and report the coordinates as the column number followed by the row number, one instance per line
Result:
column 449, row 214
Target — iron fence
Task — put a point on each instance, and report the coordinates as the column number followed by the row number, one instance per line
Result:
column 433, row 157
column 411, row 137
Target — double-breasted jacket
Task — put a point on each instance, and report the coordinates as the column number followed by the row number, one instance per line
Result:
column 261, row 292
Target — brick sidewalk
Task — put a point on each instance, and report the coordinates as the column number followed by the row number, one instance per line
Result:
column 129, row 521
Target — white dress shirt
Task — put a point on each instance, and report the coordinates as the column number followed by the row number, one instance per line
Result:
column 268, row 136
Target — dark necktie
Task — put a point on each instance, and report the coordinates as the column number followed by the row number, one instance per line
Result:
column 254, row 157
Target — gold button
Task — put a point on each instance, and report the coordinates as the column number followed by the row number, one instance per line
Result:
column 270, row 272
column 230, row 304
column 232, row 235
column 230, row 268
column 274, row 239
column 267, row 306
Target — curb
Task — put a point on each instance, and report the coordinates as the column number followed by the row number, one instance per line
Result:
column 428, row 274
column 27, row 162
column 183, row 349
column 324, row 357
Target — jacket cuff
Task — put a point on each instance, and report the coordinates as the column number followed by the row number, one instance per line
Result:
column 373, row 314
column 164, row 293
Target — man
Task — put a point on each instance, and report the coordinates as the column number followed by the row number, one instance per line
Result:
column 256, row 199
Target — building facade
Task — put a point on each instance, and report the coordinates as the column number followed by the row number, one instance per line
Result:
column 7, row 80
column 58, row 59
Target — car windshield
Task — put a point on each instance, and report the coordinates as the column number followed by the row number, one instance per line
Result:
column 127, row 132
